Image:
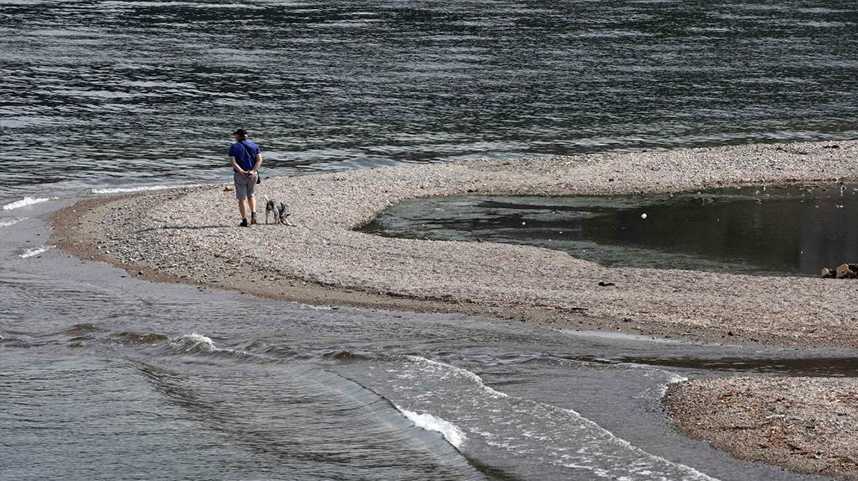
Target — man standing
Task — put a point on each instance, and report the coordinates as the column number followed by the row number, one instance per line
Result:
column 246, row 158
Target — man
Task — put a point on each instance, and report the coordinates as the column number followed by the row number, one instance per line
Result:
column 246, row 158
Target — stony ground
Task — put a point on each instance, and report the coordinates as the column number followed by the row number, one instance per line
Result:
column 193, row 235
column 804, row 424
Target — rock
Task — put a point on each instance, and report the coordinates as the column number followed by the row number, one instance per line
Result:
column 606, row 284
column 228, row 188
column 827, row 273
column 847, row 271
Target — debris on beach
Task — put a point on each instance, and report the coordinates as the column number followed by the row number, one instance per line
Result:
column 843, row 271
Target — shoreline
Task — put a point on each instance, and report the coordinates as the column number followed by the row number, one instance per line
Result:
column 190, row 235
column 69, row 234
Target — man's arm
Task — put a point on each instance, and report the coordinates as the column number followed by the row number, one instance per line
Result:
column 258, row 163
column 236, row 167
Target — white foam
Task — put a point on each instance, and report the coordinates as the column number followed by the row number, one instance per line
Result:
column 26, row 202
column 34, row 252
column 426, row 421
column 140, row 188
column 10, row 222
column 460, row 372
column 574, row 440
column 194, row 343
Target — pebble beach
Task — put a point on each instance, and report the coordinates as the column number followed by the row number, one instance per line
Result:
column 191, row 236
column 803, row 424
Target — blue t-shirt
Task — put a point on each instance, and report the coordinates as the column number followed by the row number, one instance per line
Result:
column 245, row 153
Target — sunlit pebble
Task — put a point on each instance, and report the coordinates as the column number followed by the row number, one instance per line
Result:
column 524, row 223
column 643, row 216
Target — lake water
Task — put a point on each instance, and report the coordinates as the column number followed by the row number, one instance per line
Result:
column 103, row 377
column 793, row 230
column 119, row 92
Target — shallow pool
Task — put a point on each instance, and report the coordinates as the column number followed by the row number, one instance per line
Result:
column 761, row 229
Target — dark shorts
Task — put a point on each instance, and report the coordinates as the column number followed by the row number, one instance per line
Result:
column 244, row 185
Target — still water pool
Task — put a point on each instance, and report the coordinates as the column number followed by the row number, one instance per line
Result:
column 759, row 229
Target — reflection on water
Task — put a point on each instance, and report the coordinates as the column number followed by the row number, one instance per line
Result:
column 123, row 91
column 774, row 229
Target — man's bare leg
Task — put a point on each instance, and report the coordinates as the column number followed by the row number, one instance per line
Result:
column 242, row 209
column 252, row 202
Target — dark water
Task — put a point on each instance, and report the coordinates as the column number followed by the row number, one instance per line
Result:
column 793, row 230
column 119, row 92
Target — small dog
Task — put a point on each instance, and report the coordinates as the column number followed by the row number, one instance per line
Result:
column 279, row 211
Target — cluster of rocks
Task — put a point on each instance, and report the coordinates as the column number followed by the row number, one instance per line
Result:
column 843, row 271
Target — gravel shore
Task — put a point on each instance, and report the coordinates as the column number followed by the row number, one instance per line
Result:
column 192, row 236
column 803, row 424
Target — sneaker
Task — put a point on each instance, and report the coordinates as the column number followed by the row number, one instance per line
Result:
column 253, row 218
column 243, row 223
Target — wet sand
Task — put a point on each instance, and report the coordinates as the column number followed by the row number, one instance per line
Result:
column 192, row 236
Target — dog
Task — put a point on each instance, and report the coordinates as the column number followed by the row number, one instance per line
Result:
column 279, row 211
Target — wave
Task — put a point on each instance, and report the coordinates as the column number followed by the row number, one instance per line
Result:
column 526, row 429
column 141, row 188
column 34, row 252
column 426, row 421
column 194, row 342
column 11, row 222
column 197, row 343
column 460, row 372
column 26, row 202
